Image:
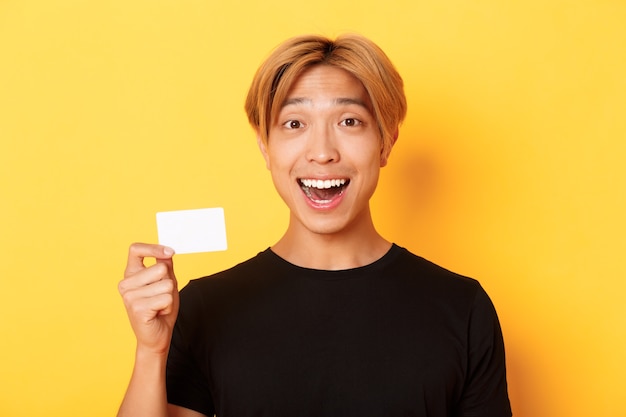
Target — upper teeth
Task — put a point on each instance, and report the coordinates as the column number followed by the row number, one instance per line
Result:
column 322, row 184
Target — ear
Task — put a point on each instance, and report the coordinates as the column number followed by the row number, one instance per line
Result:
column 263, row 148
column 384, row 156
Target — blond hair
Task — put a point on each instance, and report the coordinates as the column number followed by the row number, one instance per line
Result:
column 353, row 53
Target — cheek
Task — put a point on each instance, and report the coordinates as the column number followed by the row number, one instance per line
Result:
column 371, row 158
column 280, row 167
column 282, row 156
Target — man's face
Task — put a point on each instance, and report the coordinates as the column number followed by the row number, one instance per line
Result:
column 324, row 152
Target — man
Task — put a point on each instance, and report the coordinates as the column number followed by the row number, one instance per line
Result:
column 333, row 319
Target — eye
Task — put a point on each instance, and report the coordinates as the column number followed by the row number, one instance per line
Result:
column 350, row 122
column 292, row 124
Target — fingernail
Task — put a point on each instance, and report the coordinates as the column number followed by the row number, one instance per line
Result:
column 168, row 251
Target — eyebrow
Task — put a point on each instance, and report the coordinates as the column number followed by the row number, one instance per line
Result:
column 337, row 101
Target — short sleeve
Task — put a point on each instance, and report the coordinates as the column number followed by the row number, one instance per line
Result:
column 187, row 385
column 485, row 391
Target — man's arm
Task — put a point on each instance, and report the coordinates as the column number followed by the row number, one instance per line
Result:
column 486, row 392
column 150, row 296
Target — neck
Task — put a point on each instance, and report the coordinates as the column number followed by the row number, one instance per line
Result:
column 331, row 251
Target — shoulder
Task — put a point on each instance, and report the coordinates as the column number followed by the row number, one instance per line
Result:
column 439, row 287
column 240, row 281
column 429, row 273
column 245, row 270
column 203, row 300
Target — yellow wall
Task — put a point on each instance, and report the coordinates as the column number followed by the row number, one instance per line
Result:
column 509, row 168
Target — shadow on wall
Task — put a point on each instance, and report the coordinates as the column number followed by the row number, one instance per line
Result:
column 421, row 204
column 410, row 195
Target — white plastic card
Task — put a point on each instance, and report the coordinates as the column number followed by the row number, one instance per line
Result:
column 192, row 231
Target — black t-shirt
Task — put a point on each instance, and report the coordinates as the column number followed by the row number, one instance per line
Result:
column 399, row 337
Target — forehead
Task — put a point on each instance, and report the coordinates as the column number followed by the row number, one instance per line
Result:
column 326, row 83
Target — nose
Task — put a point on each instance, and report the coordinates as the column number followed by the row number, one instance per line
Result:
column 321, row 145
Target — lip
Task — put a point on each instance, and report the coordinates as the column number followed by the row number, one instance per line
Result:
column 324, row 204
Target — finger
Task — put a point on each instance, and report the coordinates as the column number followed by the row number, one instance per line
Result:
column 144, row 310
column 134, row 294
column 138, row 251
column 145, row 303
column 169, row 264
column 162, row 304
column 145, row 277
column 169, row 306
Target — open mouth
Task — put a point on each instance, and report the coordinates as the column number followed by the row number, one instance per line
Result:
column 323, row 191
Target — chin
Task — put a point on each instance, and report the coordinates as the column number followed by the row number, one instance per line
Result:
column 328, row 226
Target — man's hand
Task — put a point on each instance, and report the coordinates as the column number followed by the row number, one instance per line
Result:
column 150, row 295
